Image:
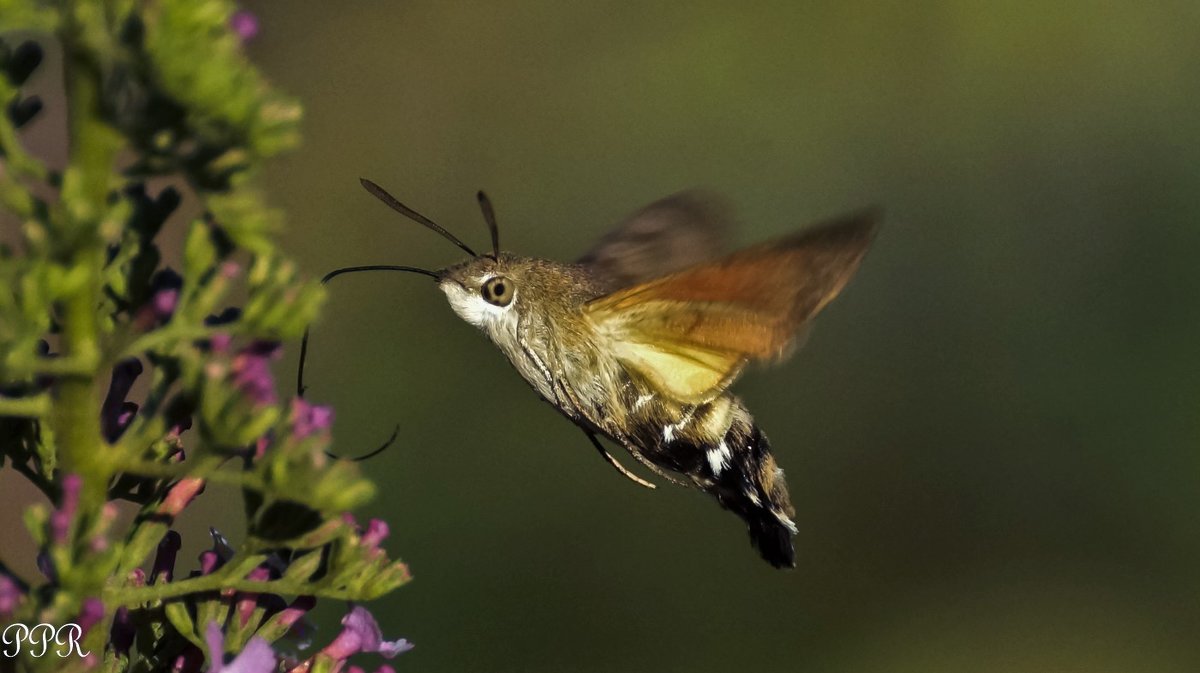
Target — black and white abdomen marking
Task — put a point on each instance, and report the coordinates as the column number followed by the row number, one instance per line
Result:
column 723, row 452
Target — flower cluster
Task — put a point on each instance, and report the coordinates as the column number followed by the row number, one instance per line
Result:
column 129, row 377
column 251, row 610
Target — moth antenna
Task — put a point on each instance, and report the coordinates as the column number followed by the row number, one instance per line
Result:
column 300, row 387
column 393, row 203
column 489, row 216
column 376, row 267
column 371, row 454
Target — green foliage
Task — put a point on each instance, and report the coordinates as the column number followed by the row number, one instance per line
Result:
column 88, row 299
column 198, row 62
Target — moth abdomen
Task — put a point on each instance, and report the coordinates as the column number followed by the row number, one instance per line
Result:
column 734, row 464
column 752, row 487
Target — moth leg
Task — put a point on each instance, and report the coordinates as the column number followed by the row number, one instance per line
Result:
column 624, row 442
column 649, row 465
column 613, row 461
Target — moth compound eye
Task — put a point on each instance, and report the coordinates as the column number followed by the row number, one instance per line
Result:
column 498, row 291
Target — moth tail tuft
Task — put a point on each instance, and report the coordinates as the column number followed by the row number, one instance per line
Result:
column 772, row 538
column 755, row 490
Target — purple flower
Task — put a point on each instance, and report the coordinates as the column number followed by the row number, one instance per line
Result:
column 116, row 413
column 123, row 631
column 165, row 288
column 164, row 302
column 244, row 24
column 45, row 565
column 209, row 561
column 256, row 657
column 293, row 613
column 181, row 495
column 178, row 424
column 220, row 342
column 189, row 661
column 90, row 614
column 309, row 419
column 219, row 555
column 261, row 445
column 360, row 633
column 164, row 298
column 11, row 595
column 252, row 371
column 377, row 531
column 248, row 602
column 164, row 559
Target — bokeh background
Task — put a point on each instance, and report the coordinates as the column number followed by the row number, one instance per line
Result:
column 992, row 438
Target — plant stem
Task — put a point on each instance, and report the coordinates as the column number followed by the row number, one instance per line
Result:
column 133, row 597
column 63, row 366
column 93, row 147
column 25, row 407
column 169, row 336
column 179, row 471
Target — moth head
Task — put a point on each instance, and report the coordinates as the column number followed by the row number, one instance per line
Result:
column 485, row 291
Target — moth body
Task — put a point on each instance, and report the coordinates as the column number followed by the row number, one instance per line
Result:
column 721, row 450
column 639, row 340
column 546, row 335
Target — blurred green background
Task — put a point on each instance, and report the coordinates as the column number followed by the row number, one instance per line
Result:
column 992, row 438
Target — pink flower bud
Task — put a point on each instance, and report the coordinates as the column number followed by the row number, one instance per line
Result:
column 377, row 532
column 60, row 520
column 309, row 419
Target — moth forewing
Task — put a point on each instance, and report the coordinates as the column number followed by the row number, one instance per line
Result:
column 668, row 235
column 698, row 326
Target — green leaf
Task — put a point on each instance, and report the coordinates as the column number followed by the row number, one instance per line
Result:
column 180, row 616
column 27, row 15
column 199, row 254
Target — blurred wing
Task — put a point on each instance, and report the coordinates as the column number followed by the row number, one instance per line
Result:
column 691, row 332
column 668, row 235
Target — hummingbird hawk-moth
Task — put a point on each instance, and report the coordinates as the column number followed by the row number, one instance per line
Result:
column 639, row 339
